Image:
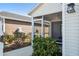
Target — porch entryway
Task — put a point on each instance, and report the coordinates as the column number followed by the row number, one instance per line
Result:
column 49, row 25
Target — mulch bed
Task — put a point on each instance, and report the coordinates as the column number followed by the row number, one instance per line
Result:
column 15, row 46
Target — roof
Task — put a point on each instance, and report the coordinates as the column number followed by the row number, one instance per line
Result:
column 45, row 9
column 37, row 6
column 13, row 16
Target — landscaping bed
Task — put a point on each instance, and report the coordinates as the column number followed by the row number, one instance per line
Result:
column 15, row 46
column 15, row 41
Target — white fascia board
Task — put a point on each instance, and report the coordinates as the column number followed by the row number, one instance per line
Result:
column 34, row 8
column 38, row 20
column 14, row 19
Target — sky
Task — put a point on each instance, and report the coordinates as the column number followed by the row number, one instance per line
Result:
column 18, row 8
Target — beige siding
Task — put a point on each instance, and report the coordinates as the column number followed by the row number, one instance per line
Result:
column 46, row 30
column 11, row 26
column 71, row 33
column 47, row 8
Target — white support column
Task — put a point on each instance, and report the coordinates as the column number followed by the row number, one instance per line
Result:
column 1, row 33
column 3, row 25
column 42, row 27
column 32, row 30
column 63, row 27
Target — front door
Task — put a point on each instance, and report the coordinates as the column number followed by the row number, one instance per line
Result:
column 56, row 29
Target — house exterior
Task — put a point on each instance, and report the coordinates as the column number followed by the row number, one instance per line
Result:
column 53, row 20
column 70, row 31
column 61, row 24
column 12, row 22
column 44, row 14
column 41, row 12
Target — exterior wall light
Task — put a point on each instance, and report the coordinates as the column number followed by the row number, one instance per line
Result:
column 70, row 8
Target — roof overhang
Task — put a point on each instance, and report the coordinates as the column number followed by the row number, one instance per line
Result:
column 46, row 8
column 12, row 16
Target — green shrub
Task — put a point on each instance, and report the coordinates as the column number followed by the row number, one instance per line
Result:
column 45, row 47
column 7, row 38
column 19, row 34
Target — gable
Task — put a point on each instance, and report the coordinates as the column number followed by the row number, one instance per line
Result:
column 46, row 8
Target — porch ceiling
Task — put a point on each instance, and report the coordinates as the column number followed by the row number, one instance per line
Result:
column 45, row 22
column 54, row 16
column 50, row 17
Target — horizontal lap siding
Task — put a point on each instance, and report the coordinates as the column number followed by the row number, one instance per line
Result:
column 71, row 34
column 11, row 26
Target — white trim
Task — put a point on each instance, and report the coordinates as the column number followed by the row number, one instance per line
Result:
column 56, row 20
column 42, row 27
column 33, row 9
column 32, row 30
column 45, row 21
column 1, row 29
column 15, row 19
column 3, row 25
column 63, row 27
column 38, row 20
